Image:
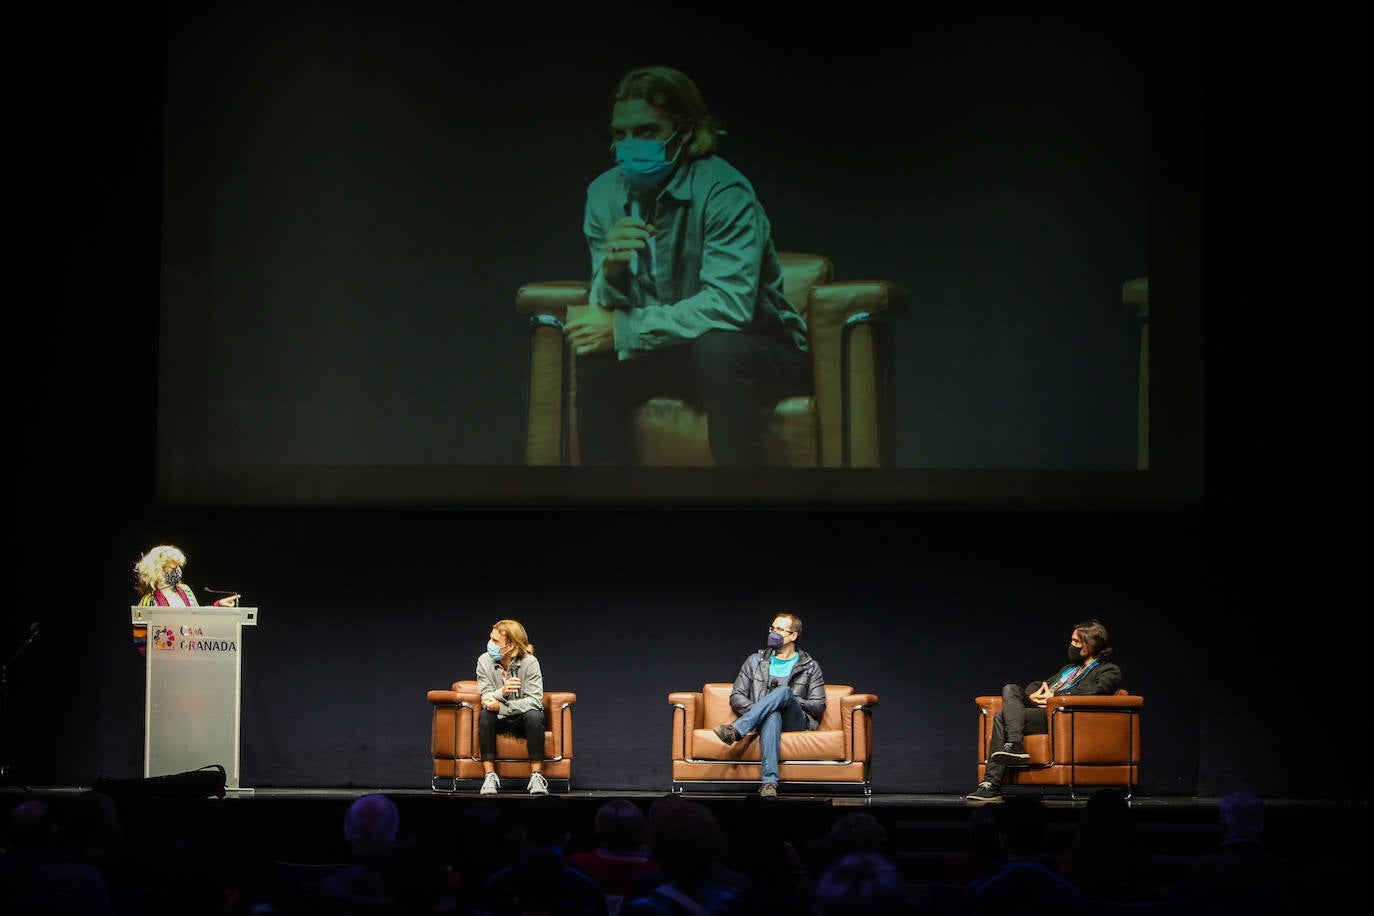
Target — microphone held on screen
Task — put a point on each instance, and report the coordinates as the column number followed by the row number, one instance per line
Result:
column 637, row 212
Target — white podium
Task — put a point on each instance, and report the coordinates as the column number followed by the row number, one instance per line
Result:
column 194, row 675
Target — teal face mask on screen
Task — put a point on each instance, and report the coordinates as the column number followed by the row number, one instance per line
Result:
column 645, row 163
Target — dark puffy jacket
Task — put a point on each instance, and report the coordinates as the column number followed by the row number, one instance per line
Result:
column 807, row 683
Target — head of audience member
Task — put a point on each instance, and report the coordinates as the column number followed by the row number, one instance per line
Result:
column 1107, row 859
column 859, row 831
column 370, row 826
column 197, row 877
column 478, row 861
column 91, row 830
column 621, row 826
column 862, row 884
column 32, row 825
column 535, row 877
column 686, row 839
column 417, row 877
column 984, row 847
column 1023, row 824
column 546, row 822
column 1242, row 816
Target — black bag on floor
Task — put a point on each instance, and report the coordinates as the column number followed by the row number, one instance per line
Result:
column 206, row 782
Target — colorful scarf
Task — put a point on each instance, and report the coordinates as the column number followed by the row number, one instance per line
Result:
column 1070, row 675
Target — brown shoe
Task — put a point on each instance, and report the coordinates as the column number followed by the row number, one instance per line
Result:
column 726, row 733
column 768, row 790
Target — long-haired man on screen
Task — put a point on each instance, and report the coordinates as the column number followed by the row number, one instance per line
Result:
column 687, row 289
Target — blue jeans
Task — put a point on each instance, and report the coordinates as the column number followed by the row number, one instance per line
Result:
column 776, row 711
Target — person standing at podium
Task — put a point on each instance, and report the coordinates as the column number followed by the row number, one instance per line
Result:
column 511, row 685
column 158, row 581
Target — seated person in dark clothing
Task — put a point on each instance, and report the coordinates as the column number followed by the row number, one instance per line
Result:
column 543, row 836
column 1089, row 672
column 689, row 844
column 38, row 878
column 1242, row 875
column 1022, row 884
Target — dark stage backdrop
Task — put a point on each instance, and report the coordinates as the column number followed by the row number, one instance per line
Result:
column 361, row 612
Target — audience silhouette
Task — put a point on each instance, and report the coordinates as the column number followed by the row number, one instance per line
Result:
column 1242, row 874
column 621, row 851
column 38, row 877
column 687, row 841
column 864, row 884
column 1023, row 884
column 72, row 855
column 984, row 851
column 1107, row 859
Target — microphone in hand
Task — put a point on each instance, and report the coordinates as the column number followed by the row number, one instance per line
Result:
column 637, row 211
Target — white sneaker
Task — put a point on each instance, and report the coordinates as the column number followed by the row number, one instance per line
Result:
column 538, row 784
column 491, row 784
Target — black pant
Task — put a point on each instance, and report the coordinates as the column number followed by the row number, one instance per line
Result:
column 1020, row 716
column 732, row 375
column 531, row 723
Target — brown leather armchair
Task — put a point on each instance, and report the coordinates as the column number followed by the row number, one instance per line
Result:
column 847, row 422
column 453, row 739
column 1092, row 741
column 839, row 752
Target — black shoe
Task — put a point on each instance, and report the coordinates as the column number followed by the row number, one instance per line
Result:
column 1012, row 754
column 726, row 733
column 986, row 792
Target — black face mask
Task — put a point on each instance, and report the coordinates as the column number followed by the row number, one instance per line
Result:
column 173, row 577
column 1076, row 655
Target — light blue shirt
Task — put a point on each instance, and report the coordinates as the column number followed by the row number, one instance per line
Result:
column 712, row 266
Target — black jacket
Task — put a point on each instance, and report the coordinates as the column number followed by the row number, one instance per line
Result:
column 807, row 683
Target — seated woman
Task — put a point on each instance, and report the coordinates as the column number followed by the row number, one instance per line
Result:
column 511, row 686
column 157, row 579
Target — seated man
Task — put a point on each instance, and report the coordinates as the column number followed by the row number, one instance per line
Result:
column 1088, row 673
column 687, row 289
column 780, row 688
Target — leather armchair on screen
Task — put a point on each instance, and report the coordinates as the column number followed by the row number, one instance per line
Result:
column 849, row 421
column 1092, row 741
column 453, row 739
column 839, row 752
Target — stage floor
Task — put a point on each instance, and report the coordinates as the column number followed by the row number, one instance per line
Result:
column 1052, row 799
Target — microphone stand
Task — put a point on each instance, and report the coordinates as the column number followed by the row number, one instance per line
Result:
column 6, row 777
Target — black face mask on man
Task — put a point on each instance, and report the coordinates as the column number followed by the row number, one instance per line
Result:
column 1076, row 655
column 774, row 639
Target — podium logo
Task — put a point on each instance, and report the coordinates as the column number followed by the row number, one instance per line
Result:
column 163, row 638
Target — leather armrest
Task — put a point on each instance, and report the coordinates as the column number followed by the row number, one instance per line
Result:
column 855, row 724
column 687, row 714
column 1069, row 701
column 558, row 706
column 838, row 300
column 551, row 297
column 989, row 705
